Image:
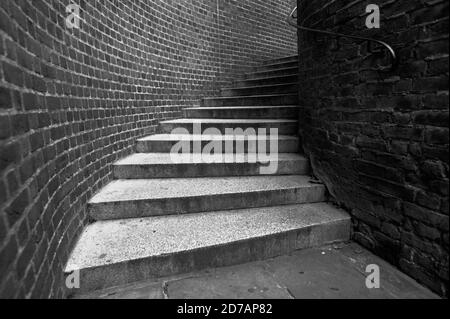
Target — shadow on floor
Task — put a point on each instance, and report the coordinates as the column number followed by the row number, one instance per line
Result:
column 331, row 272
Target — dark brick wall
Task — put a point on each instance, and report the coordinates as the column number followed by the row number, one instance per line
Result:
column 379, row 140
column 74, row 101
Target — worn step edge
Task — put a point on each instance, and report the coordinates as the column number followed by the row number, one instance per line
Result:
column 222, row 126
column 268, row 78
column 260, row 86
column 243, row 112
column 281, row 59
column 285, row 88
column 164, row 143
column 277, row 79
column 164, row 165
column 155, row 197
column 269, row 73
column 207, row 137
column 227, row 121
column 275, row 66
column 230, row 238
column 252, row 100
column 242, row 107
column 260, row 96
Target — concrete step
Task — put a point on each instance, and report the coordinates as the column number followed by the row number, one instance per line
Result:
column 254, row 100
column 137, row 198
column 293, row 58
column 165, row 165
column 267, row 81
column 276, row 66
column 112, row 253
column 163, row 143
column 196, row 126
column 261, row 90
column 271, row 73
column 244, row 112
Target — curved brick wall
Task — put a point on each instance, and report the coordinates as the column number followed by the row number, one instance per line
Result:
column 74, row 101
column 380, row 140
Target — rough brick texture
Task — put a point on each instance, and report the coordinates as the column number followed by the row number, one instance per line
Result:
column 380, row 139
column 74, row 101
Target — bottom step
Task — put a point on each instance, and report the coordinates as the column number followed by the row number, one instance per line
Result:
column 112, row 253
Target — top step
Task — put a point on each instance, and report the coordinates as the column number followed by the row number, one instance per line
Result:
column 293, row 58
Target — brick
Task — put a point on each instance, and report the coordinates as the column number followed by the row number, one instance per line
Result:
column 11, row 49
column 10, row 153
column 437, row 136
column 435, row 101
column 437, row 152
column 431, row 84
column 388, row 187
column 13, row 74
column 25, row 258
column 16, row 100
column 53, row 103
column 408, row 102
column 403, row 132
column 427, row 232
column 399, row 147
column 2, row 48
column 429, row 200
column 438, row 67
column 440, row 187
column 17, row 208
column 390, row 230
column 411, row 239
column 432, row 118
column 426, row 216
column 8, row 254
column 429, row 14
column 10, row 289
column 444, row 206
column 3, row 236
column 433, row 170
column 379, row 171
column 3, row 192
column 25, row 59
column 12, row 182
column 5, row 127
column 39, row 84
column 36, row 141
column 30, row 101
column 5, row 98
column 26, row 170
column 20, row 124
column 429, row 49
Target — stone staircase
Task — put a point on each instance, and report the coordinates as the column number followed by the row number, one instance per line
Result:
column 168, row 214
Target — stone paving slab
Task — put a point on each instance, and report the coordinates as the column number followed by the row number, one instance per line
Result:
column 251, row 281
column 146, row 290
column 338, row 272
column 331, row 272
